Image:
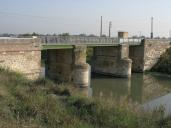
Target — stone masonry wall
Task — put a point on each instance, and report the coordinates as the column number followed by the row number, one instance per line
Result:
column 21, row 55
column 153, row 49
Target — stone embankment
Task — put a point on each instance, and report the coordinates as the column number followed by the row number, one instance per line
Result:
column 164, row 63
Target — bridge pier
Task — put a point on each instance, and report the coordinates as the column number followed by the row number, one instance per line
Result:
column 68, row 65
column 112, row 61
column 59, row 64
column 81, row 72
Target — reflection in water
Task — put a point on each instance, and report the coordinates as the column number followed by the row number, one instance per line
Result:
column 139, row 88
column 105, row 87
column 152, row 90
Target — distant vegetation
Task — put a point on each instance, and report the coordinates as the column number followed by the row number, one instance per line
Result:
column 6, row 35
column 67, row 34
column 29, row 34
column 38, row 34
column 44, row 104
column 64, row 34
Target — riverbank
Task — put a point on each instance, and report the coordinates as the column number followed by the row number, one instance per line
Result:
column 42, row 103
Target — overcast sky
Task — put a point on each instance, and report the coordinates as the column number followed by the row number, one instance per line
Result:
column 83, row 16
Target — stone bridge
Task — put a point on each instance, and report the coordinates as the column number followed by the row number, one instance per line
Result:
column 66, row 56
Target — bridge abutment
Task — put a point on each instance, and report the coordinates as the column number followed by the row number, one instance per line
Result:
column 146, row 55
column 21, row 55
column 112, row 61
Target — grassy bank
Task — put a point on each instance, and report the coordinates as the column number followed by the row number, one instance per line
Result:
column 44, row 104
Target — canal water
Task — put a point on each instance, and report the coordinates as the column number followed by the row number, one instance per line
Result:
column 152, row 90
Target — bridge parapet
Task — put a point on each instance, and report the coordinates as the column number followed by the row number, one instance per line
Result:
column 74, row 40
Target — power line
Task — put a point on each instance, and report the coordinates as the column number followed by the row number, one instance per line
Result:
column 45, row 19
column 25, row 15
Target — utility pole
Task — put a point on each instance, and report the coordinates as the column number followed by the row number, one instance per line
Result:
column 110, row 26
column 140, row 34
column 152, row 27
column 101, row 27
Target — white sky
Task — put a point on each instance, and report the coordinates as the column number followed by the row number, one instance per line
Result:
column 83, row 16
